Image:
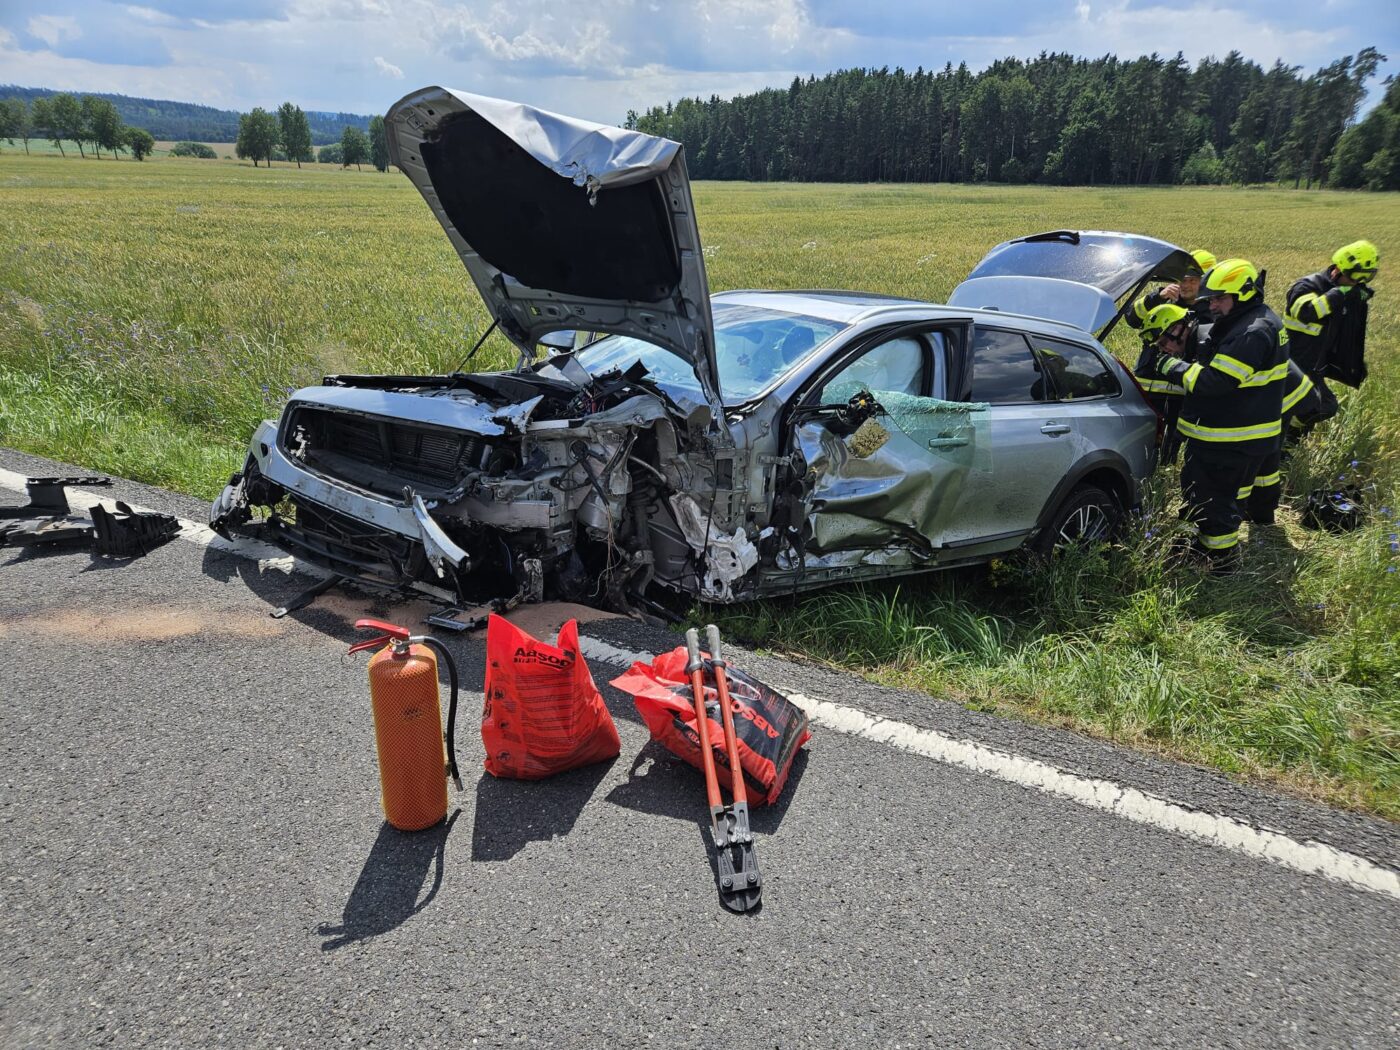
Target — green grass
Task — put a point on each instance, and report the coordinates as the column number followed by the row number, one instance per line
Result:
column 151, row 314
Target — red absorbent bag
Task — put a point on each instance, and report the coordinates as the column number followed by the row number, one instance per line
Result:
column 769, row 727
column 542, row 713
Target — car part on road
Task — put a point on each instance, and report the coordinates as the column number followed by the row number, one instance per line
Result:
column 403, row 687
column 47, row 520
column 128, row 534
column 47, row 497
column 306, row 597
column 542, row 713
column 740, row 884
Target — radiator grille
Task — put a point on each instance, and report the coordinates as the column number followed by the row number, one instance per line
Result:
column 396, row 452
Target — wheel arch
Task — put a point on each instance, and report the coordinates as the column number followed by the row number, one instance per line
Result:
column 1106, row 469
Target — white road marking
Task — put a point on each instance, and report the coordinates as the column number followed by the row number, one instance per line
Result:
column 1311, row 858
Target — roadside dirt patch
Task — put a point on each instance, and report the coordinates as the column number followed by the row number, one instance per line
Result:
column 136, row 623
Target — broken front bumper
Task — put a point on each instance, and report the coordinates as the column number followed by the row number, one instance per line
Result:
column 408, row 519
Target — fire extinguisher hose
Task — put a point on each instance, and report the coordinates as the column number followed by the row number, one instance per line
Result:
column 450, row 735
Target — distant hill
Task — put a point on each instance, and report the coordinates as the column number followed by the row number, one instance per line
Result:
column 176, row 121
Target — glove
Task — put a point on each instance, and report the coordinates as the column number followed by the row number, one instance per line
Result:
column 1365, row 291
column 1170, row 367
column 1337, row 297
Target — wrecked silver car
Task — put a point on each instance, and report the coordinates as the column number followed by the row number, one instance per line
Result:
column 724, row 448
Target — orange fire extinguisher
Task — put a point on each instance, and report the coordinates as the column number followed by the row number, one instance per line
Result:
column 403, row 689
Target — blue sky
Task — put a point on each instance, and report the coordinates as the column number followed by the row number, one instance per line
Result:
column 599, row 58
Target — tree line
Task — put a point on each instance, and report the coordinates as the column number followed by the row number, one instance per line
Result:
column 286, row 135
column 1054, row 119
column 90, row 121
column 189, row 121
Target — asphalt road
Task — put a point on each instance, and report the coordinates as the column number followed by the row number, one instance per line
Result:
column 192, row 853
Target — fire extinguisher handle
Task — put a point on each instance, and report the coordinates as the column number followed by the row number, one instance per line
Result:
column 392, row 633
column 392, row 630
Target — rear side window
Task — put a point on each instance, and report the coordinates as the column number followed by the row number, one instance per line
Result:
column 1004, row 371
column 1076, row 371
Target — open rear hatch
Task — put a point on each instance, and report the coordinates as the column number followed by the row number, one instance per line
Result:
column 562, row 224
column 1082, row 277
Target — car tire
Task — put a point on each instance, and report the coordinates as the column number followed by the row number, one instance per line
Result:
column 1088, row 515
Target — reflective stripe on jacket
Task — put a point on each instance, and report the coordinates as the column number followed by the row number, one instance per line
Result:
column 1234, row 392
column 1327, row 328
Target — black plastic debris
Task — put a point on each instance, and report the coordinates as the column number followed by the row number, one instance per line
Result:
column 48, row 498
column 47, row 520
column 129, row 534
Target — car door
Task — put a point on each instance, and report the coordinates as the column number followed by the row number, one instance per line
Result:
column 1092, row 395
column 1026, row 447
column 885, row 455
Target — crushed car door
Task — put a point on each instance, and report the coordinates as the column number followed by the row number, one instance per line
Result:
column 1026, row 445
column 886, row 455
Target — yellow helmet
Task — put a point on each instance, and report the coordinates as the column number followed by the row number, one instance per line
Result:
column 1159, row 319
column 1203, row 259
column 1358, row 260
column 1236, row 277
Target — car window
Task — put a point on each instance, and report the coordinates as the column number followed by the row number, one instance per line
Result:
column 754, row 345
column 1076, row 371
column 1004, row 371
column 896, row 366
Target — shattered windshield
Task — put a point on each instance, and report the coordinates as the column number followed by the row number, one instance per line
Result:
column 754, row 345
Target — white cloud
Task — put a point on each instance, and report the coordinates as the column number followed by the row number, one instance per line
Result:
column 54, row 29
column 600, row 58
column 150, row 15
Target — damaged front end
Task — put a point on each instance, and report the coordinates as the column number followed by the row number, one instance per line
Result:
column 549, row 481
column 486, row 487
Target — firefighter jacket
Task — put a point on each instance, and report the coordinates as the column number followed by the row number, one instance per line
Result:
column 1327, row 328
column 1148, row 371
column 1300, row 396
column 1234, row 390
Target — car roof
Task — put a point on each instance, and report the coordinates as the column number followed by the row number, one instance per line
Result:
column 828, row 304
column 846, row 307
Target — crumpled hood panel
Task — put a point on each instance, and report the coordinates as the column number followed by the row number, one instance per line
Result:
column 562, row 224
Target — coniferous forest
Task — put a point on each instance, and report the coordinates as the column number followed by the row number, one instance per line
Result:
column 1055, row 119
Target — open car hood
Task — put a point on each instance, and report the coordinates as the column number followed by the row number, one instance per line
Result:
column 1079, row 277
column 562, row 224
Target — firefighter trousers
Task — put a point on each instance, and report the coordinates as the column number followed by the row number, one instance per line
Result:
column 1213, row 475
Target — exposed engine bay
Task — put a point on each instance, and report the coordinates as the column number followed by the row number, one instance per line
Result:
column 567, row 487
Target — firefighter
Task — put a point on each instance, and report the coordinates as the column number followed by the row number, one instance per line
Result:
column 1163, row 394
column 1183, row 292
column 1260, row 496
column 1326, row 320
column 1232, row 410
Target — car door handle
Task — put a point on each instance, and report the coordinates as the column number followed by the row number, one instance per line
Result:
column 1055, row 428
column 946, row 442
